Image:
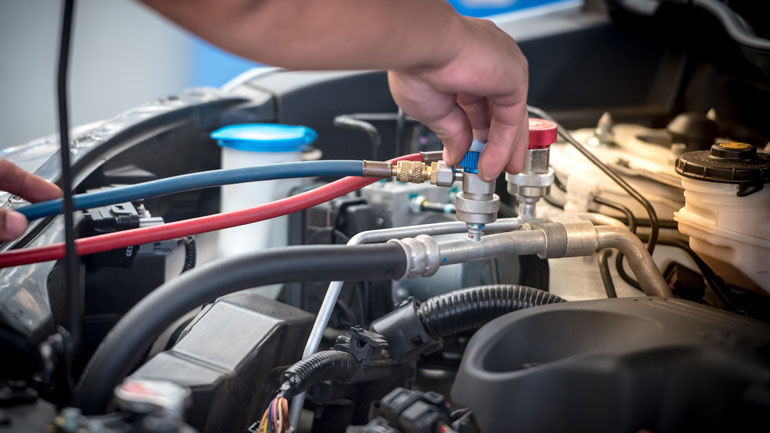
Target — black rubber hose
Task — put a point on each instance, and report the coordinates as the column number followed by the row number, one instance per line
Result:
column 325, row 365
column 631, row 222
column 604, row 271
column 120, row 349
column 190, row 253
column 350, row 122
column 471, row 308
column 620, row 207
column 620, row 268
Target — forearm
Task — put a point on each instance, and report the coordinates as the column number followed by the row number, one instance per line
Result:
column 325, row 34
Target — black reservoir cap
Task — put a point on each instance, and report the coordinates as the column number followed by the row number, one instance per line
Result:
column 728, row 162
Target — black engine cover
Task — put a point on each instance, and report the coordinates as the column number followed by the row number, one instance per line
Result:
column 231, row 357
column 632, row 364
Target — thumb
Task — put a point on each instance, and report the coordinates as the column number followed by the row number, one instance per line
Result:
column 12, row 224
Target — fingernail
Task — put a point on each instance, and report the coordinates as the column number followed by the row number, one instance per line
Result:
column 485, row 178
column 15, row 223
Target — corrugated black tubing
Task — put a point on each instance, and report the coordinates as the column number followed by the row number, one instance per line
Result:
column 190, row 254
column 320, row 366
column 126, row 342
column 471, row 308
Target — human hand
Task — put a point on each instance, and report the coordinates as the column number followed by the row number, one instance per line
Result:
column 26, row 185
column 481, row 92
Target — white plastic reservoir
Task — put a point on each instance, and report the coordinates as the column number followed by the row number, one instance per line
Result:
column 249, row 145
column 727, row 211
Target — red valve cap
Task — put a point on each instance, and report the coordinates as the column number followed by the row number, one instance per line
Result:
column 542, row 133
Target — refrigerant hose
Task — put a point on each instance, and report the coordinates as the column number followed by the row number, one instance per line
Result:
column 120, row 349
column 192, row 181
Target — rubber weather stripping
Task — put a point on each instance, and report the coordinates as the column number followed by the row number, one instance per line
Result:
column 209, row 223
column 188, row 182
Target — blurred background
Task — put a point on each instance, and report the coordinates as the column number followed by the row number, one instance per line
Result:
column 123, row 55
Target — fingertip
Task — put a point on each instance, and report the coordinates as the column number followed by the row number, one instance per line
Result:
column 56, row 192
column 45, row 190
column 447, row 156
column 14, row 225
column 489, row 169
column 515, row 165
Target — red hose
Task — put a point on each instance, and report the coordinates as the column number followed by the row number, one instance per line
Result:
column 209, row 223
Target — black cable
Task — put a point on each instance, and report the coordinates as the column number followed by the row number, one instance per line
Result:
column 471, row 308
column 644, row 222
column 630, row 218
column 71, row 271
column 654, row 228
column 619, row 257
column 117, row 353
column 320, row 366
column 190, row 253
column 623, row 274
column 604, row 271
column 350, row 122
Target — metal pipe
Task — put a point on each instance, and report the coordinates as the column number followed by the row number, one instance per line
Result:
column 372, row 236
column 517, row 243
column 550, row 240
column 639, row 259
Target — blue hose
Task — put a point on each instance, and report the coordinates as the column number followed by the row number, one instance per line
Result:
column 187, row 182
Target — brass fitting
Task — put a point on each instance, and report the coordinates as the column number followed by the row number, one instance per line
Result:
column 438, row 172
column 411, row 171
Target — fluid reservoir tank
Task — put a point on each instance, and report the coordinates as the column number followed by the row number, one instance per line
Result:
column 249, row 145
column 727, row 211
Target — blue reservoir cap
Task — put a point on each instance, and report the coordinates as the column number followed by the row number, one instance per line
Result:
column 265, row 137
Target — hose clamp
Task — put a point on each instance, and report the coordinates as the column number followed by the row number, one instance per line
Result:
column 422, row 256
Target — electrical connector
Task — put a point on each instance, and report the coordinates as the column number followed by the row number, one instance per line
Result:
column 370, row 350
column 415, row 411
column 119, row 217
column 405, row 333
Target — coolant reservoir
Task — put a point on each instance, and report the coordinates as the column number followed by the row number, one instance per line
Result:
column 727, row 211
column 249, row 145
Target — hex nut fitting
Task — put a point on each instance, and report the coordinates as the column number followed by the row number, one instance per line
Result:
column 441, row 174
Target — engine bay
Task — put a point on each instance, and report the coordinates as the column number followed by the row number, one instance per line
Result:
column 291, row 253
